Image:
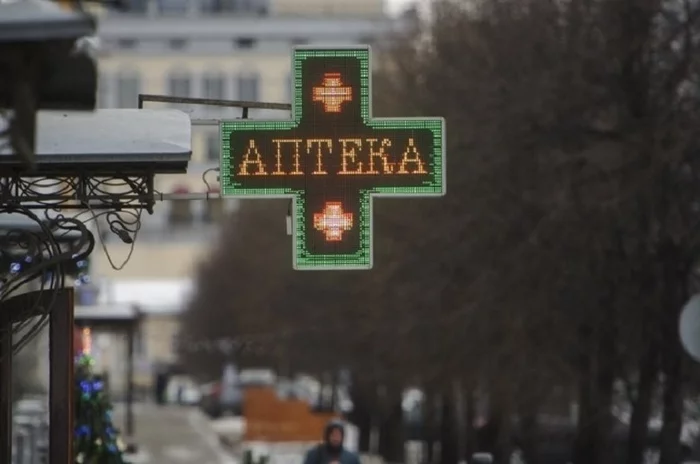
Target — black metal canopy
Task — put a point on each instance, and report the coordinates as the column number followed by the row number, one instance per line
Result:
column 10, row 222
column 13, row 241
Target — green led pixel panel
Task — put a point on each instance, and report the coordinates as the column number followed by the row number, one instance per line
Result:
column 332, row 158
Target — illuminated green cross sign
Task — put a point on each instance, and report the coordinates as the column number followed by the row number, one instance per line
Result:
column 332, row 158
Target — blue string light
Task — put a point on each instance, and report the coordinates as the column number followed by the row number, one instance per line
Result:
column 86, row 387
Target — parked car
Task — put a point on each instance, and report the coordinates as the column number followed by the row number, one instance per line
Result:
column 215, row 404
column 257, row 378
column 182, row 390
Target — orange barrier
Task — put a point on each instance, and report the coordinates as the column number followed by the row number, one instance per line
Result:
column 271, row 419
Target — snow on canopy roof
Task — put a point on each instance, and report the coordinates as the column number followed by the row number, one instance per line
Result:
column 151, row 296
column 35, row 20
column 112, row 136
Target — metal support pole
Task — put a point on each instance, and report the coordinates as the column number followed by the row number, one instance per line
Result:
column 186, row 196
column 143, row 98
column 5, row 385
column 61, row 378
column 129, row 429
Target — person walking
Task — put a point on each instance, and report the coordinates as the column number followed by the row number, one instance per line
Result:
column 331, row 451
column 161, row 384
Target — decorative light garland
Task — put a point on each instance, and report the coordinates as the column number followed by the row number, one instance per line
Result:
column 92, row 392
column 82, row 267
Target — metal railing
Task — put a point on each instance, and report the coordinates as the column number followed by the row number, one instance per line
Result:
column 30, row 432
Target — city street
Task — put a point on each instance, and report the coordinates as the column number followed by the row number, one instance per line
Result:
column 172, row 434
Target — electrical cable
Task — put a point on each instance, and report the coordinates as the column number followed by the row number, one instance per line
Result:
column 45, row 259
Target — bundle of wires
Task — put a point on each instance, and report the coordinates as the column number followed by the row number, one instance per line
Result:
column 36, row 259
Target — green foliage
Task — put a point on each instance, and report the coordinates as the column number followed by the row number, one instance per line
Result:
column 96, row 439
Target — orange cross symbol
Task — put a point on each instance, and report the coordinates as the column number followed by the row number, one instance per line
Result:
column 332, row 221
column 332, row 93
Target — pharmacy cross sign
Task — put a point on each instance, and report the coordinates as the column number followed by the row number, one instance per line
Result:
column 332, row 158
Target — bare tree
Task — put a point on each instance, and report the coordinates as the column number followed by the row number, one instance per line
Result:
column 570, row 122
column 559, row 259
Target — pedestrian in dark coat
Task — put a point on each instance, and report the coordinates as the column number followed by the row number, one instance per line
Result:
column 331, row 451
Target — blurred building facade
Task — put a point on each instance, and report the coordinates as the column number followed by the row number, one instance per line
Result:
column 154, row 305
column 221, row 49
column 218, row 49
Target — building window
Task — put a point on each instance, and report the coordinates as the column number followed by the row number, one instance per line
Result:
column 137, row 6
column 180, row 85
column 244, row 42
column 127, row 44
column 213, row 146
column 213, row 87
column 260, row 7
column 248, row 87
column 174, row 7
column 209, row 6
column 128, row 89
column 214, row 6
column 177, row 44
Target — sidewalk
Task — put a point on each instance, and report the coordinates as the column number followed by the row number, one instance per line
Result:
column 171, row 435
